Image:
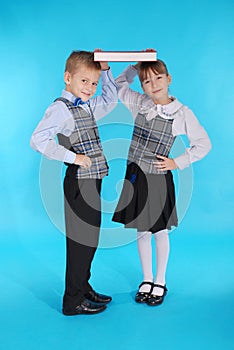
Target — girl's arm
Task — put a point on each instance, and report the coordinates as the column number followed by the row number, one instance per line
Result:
column 199, row 141
column 131, row 99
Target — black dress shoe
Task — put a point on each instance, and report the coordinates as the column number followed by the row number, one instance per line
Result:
column 154, row 300
column 142, row 297
column 98, row 298
column 86, row 307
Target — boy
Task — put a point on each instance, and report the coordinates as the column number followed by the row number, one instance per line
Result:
column 72, row 118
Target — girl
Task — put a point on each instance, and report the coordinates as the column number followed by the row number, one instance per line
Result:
column 147, row 201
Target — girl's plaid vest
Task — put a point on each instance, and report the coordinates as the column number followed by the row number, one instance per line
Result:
column 150, row 138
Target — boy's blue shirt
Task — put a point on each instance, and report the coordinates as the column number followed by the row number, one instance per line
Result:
column 58, row 119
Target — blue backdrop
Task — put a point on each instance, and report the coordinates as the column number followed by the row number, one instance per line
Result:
column 195, row 39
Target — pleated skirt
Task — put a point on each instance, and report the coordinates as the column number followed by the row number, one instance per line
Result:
column 147, row 201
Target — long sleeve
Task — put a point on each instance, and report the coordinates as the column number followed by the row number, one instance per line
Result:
column 57, row 119
column 199, row 141
column 185, row 121
column 131, row 99
column 106, row 102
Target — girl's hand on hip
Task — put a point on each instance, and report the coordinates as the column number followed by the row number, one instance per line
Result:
column 165, row 164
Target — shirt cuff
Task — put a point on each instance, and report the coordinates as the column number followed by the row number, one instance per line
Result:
column 182, row 161
column 70, row 157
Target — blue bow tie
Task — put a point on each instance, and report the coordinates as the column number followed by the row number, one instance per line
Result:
column 78, row 102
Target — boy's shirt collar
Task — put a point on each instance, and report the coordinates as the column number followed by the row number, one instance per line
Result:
column 69, row 96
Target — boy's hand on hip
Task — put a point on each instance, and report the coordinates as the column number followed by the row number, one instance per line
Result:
column 165, row 164
column 82, row 160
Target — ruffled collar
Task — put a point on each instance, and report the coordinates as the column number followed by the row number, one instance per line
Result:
column 168, row 111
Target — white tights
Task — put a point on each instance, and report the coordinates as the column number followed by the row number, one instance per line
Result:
column 144, row 242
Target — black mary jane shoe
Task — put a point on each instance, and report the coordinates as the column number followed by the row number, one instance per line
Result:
column 153, row 299
column 142, row 297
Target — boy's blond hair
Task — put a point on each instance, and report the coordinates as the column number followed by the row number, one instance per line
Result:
column 78, row 58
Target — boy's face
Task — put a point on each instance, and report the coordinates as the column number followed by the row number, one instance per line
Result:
column 156, row 87
column 83, row 83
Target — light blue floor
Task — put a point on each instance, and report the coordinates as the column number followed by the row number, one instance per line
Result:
column 198, row 312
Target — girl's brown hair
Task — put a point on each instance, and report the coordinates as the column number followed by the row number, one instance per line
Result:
column 78, row 58
column 158, row 67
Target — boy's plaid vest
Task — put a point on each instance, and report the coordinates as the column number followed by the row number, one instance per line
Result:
column 150, row 138
column 85, row 140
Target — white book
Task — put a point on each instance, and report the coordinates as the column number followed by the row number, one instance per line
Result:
column 125, row 56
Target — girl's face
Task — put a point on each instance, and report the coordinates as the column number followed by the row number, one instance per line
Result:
column 156, row 87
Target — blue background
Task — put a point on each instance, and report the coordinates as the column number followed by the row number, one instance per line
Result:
column 195, row 39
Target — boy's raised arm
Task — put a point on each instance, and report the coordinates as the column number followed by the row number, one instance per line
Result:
column 106, row 102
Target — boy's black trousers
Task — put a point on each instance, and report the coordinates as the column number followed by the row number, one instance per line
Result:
column 83, row 219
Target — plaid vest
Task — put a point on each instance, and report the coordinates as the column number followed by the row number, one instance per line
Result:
column 150, row 137
column 85, row 140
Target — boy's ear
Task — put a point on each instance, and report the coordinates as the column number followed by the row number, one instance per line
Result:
column 67, row 78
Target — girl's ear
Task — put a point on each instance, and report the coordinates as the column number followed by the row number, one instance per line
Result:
column 67, row 77
column 169, row 79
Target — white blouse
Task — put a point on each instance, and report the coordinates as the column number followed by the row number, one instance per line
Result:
column 184, row 120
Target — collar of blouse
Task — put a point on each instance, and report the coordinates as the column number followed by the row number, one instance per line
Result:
column 167, row 111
